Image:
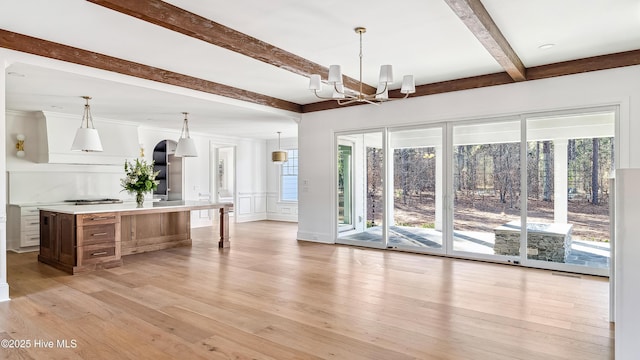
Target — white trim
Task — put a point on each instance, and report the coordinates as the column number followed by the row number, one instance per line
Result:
column 316, row 237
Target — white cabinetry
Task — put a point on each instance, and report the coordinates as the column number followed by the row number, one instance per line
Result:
column 23, row 227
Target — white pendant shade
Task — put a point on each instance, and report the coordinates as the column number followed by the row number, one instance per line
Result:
column 186, row 148
column 408, row 85
column 315, row 82
column 87, row 139
column 386, row 74
column 335, row 74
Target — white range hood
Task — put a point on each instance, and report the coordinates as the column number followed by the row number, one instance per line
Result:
column 57, row 131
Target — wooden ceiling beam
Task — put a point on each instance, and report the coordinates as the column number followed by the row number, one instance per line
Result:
column 174, row 18
column 474, row 15
column 594, row 63
column 52, row 50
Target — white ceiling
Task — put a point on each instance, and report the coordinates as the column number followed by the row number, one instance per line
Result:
column 420, row 37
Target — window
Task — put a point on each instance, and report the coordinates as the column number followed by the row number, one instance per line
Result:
column 289, row 177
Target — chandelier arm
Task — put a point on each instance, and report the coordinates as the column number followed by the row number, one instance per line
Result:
column 347, row 101
column 398, row 98
column 315, row 92
column 383, row 90
column 348, row 96
column 377, row 103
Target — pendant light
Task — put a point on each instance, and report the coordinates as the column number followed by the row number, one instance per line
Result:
column 279, row 156
column 87, row 138
column 186, row 146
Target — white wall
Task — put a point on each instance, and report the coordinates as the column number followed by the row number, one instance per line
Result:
column 626, row 264
column 609, row 87
column 276, row 209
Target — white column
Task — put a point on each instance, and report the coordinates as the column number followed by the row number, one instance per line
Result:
column 439, row 193
column 4, row 286
column 560, row 176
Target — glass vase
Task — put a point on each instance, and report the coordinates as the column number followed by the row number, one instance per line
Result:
column 139, row 198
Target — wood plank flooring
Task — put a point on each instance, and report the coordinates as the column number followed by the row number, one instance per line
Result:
column 272, row 297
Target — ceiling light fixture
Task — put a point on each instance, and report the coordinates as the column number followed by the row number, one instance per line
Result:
column 87, row 138
column 186, row 146
column 347, row 97
column 546, row 46
column 279, row 156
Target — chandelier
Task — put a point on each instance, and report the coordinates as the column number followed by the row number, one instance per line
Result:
column 347, row 97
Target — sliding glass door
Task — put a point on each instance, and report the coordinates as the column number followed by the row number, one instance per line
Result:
column 570, row 159
column 486, row 190
column 530, row 190
column 414, row 205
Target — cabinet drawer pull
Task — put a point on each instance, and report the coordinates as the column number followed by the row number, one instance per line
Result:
column 101, row 218
column 34, row 223
column 34, row 238
column 99, row 234
column 99, row 253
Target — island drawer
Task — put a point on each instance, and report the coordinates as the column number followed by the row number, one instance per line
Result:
column 90, row 254
column 97, row 234
column 97, row 219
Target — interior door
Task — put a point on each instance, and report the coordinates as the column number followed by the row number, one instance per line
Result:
column 345, row 187
column 360, row 193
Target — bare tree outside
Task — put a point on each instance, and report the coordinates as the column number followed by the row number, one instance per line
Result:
column 487, row 184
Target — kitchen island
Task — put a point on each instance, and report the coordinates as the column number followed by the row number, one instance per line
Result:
column 81, row 238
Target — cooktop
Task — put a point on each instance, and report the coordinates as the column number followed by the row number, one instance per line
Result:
column 94, row 201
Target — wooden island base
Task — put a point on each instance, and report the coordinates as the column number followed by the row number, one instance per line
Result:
column 79, row 241
column 151, row 232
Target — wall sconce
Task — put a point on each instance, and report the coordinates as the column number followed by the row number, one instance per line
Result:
column 20, row 145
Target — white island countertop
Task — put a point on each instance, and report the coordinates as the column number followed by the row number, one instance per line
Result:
column 132, row 208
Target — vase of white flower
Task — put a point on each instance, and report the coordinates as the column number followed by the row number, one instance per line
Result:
column 139, row 198
column 139, row 179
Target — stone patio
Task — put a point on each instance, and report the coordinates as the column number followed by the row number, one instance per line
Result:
column 582, row 252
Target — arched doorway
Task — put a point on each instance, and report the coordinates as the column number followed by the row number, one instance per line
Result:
column 170, row 167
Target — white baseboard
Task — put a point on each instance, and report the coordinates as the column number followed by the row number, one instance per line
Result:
column 251, row 217
column 316, row 237
column 281, row 217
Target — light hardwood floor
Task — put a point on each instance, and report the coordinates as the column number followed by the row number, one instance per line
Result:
column 272, row 297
